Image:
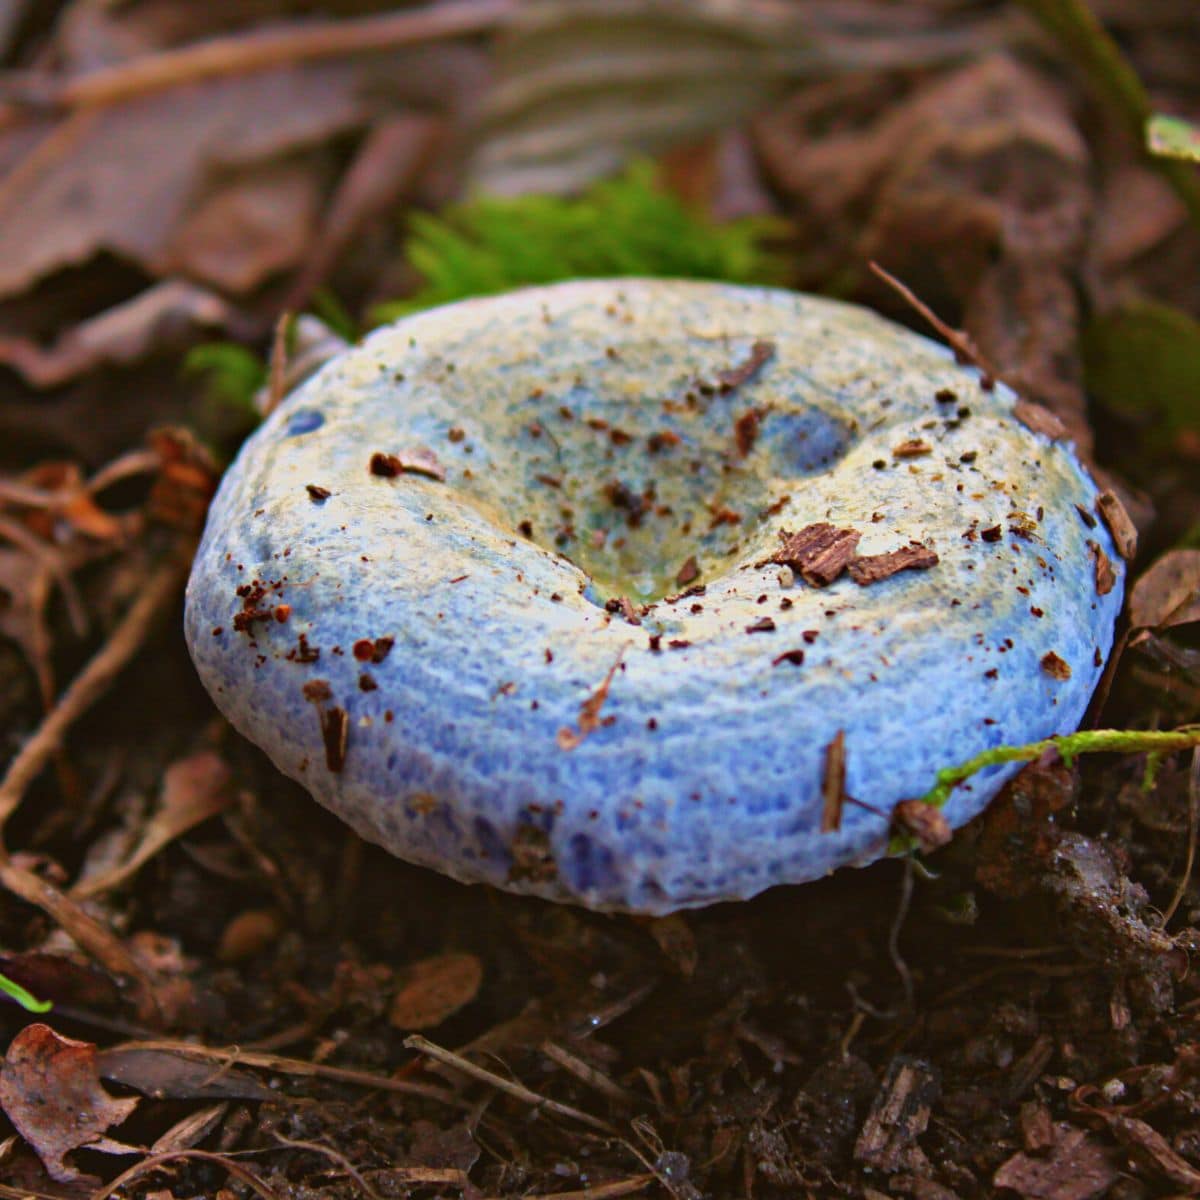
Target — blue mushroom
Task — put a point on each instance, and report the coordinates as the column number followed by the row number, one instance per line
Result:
column 572, row 590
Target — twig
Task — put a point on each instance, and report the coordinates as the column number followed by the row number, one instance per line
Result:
column 893, row 942
column 965, row 350
column 299, row 1068
column 88, row 933
column 90, row 684
column 602, row 1191
column 1069, row 746
column 334, row 1156
column 259, row 51
column 1193, row 821
column 520, row 1091
column 1094, row 51
column 277, row 379
column 243, row 1174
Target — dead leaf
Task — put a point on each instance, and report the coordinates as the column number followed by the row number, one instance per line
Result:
column 51, row 1091
column 1168, row 592
column 248, row 228
column 435, row 989
column 986, row 211
column 175, row 1075
column 190, row 1130
column 154, row 320
column 390, row 160
column 121, row 178
column 1076, row 1168
column 194, row 789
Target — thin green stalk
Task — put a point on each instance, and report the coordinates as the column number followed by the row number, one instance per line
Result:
column 1069, row 747
column 1093, row 50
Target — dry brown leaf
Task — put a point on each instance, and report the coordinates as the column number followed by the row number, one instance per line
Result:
column 1076, row 1168
column 435, row 989
column 985, row 210
column 194, row 789
column 166, row 1073
column 248, row 228
column 1168, row 592
column 51, row 1091
column 122, row 178
column 154, row 320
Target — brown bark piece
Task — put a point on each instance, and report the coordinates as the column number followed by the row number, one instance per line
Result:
column 819, row 553
column 899, row 1114
column 871, row 568
column 833, row 783
column 1076, row 1168
column 1040, row 419
column 1119, row 523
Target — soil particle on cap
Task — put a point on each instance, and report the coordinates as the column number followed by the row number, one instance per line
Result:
column 819, row 553
column 762, row 625
column 794, row 657
column 913, row 448
column 335, row 729
column 1086, row 517
column 415, row 462
column 992, row 534
column 373, row 650
column 871, row 568
column 624, row 606
column 741, row 373
column 1055, row 666
column 745, row 430
column 317, row 691
column 316, row 493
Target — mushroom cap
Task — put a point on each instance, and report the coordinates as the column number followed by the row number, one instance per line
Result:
column 432, row 657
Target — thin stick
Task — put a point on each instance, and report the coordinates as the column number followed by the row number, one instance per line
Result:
column 1069, row 746
column 964, row 348
column 243, row 1174
column 259, row 51
column 334, row 1156
column 89, row 934
column 602, row 1191
column 432, row 1050
column 1193, row 821
column 90, row 684
column 300, row 1068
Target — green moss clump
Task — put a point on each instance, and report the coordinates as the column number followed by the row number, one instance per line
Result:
column 627, row 225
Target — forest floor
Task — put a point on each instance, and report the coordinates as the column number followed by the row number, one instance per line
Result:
column 236, row 978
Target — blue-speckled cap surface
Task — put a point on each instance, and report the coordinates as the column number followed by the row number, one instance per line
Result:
column 428, row 656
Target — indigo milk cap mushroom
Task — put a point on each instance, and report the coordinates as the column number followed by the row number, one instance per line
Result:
column 612, row 591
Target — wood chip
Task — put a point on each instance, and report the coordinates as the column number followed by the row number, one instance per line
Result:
column 1106, row 577
column 1120, row 525
column 913, row 448
column 899, row 1114
column 335, row 729
column 819, row 553
column 1056, row 667
column 871, row 568
column 1040, row 420
column 833, row 783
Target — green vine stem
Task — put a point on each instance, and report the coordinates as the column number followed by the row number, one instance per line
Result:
column 1073, row 24
column 1069, row 746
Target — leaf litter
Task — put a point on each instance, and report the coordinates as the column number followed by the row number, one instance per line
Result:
column 1021, row 1019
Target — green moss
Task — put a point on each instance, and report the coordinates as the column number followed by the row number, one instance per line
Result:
column 627, row 225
